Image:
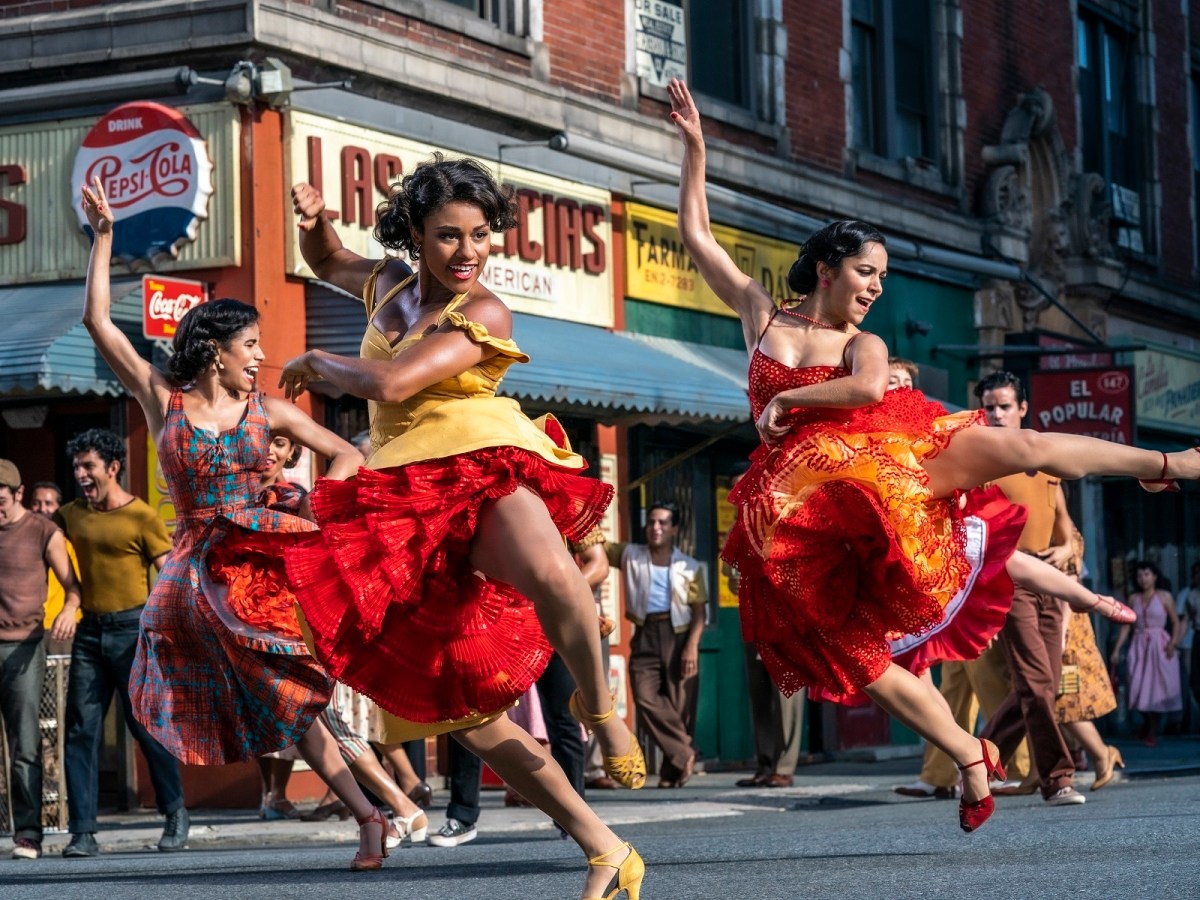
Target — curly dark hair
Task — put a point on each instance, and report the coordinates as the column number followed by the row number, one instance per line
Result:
column 830, row 245
column 106, row 444
column 200, row 330
column 431, row 185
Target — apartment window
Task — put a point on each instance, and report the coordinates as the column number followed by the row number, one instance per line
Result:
column 720, row 50
column 892, row 46
column 504, row 14
column 730, row 52
column 1106, row 94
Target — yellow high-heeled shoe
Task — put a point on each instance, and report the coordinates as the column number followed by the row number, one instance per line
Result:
column 630, row 872
column 628, row 770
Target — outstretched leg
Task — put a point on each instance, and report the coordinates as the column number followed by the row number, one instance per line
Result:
column 982, row 454
column 906, row 698
column 321, row 752
column 517, row 543
column 528, row 768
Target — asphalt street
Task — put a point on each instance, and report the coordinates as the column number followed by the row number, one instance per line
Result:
column 825, row 839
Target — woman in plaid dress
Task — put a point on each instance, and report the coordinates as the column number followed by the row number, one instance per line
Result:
column 222, row 673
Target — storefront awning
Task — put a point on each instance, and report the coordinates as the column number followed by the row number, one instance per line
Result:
column 44, row 347
column 582, row 368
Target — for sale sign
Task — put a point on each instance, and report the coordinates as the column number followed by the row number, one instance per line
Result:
column 164, row 301
column 1092, row 402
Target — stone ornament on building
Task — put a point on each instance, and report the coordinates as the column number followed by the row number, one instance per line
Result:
column 1037, row 209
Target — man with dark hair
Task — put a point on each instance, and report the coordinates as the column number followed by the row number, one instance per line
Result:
column 30, row 547
column 665, row 598
column 46, row 498
column 1032, row 634
column 119, row 540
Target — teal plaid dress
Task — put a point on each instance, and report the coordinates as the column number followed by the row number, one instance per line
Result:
column 221, row 673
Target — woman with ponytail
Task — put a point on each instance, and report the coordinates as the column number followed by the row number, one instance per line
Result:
column 440, row 583
column 222, row 673
column 848, row 534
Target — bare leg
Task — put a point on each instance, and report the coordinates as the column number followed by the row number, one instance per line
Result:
column 979, row 455
column 406, row 776
column 517, row 543
column 368, row 772
column 926, row 678
column 1089, row 738
column 527, row 766
column 904, row 696
column 320, row 751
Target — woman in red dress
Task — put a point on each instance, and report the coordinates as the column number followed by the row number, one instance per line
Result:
column 440, row 581
column 848, row 531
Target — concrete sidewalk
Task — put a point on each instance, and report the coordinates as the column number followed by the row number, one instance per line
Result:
column 705, row 796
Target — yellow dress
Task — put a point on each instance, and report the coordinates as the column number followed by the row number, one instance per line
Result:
column 395, row 608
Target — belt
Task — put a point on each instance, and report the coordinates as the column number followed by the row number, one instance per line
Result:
column 113, row 618
column 658, row 617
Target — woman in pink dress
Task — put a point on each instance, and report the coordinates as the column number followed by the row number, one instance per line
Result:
column 1152, row 669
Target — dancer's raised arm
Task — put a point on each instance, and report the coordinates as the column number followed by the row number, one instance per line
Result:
column 322, row 249
column 735, row 288
column 148, row 385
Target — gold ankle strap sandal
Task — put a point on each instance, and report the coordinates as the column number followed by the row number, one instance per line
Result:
column 628, row 770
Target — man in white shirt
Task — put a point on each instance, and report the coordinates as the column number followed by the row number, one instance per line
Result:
column 664, row 597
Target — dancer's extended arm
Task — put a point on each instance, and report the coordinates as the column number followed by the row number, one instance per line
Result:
column 442, row 354
column 344, row 459
column 147, row 385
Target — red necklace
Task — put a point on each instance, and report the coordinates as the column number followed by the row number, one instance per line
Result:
column 810, row 320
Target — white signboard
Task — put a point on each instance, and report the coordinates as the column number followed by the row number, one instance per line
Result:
column 661, row 35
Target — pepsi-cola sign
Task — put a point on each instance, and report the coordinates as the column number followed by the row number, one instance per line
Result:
column 164, row 301
column 156, row 174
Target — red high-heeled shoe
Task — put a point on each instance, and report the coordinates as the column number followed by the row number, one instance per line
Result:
column 370, row 861
column 1163, row 483
column 972, row 814
column 1113, row 610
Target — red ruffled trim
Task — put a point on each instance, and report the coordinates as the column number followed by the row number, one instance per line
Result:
column 395, row 608
column 967, row 632
column 254, row 572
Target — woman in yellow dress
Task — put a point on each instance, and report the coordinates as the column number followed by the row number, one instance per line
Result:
column 440, row 583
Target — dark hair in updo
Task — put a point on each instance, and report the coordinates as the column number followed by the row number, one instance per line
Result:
column 192, row 347
column 830, row 245
column 431, row 185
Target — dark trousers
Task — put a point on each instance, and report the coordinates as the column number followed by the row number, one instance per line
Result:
column 101, row 659
column 466, row 772
column 22, row 673
column 1032, row 641
column 778, row 720
column 666, row 701
column 415, row 751
column 554, row 688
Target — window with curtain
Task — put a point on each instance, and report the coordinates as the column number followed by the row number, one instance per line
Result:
column 893, row 78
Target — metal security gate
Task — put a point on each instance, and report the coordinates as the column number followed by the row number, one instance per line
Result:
column 51, row 723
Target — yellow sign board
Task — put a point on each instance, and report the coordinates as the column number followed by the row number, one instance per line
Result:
column 557, row 262
column 659, row 270
column 726, row 516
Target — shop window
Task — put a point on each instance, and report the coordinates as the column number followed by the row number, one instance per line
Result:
column 730, row 52
column 1105, row 51
column 893, row 79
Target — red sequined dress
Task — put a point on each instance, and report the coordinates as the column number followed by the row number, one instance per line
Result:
column 840, row 546
column 397, row 611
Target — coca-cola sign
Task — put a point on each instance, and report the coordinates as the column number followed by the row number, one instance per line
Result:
column 157, row 177
column 164, row 301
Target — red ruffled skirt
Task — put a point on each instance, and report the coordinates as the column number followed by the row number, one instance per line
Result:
column 839, row 545
column 387, row 588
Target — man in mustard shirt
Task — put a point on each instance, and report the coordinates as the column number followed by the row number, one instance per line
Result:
column 1032, row 634
column 119, row 542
